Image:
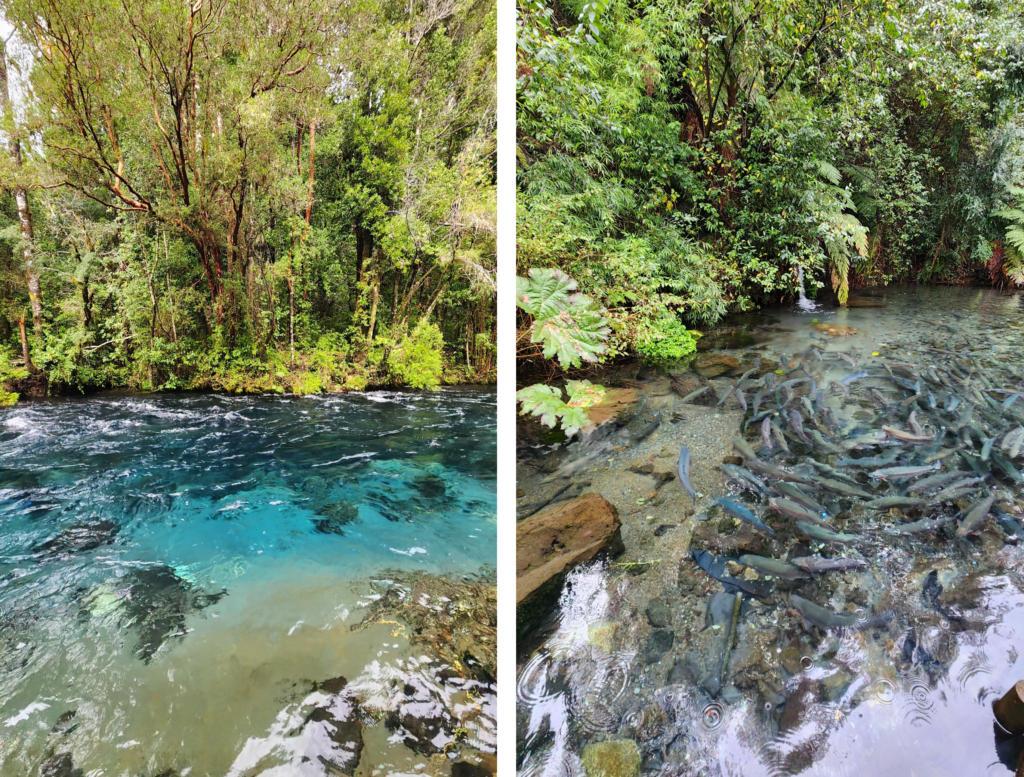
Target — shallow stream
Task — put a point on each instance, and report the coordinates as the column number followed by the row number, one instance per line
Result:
column 645, row 666
column 207, row 585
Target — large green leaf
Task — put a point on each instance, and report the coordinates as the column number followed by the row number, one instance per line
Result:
column 573, row 336
column 546, row 402
column 543, row 401
column 545, row 293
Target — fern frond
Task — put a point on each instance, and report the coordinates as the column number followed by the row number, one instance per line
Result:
column 830, row 173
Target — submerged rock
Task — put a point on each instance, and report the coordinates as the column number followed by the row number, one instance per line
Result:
column 334, row 516
column 659, row 614
column 155, row 603
column 457, row 618
column 552, row 542
column 59, row 765
column 81, row 537
column 617, row 758
column 711, row 365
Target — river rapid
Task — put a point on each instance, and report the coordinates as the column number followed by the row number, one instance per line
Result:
column 708, row 648
column 209, row 585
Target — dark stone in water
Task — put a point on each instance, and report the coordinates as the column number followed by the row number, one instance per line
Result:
column 81, row 537
column 464, row 769
column 64, row 725
column 430, row 487
column 60, row 765
column 658, row 644
column 342, row 746
column 419, row 733
column 664, row 528
column 156, row 604
column 335, row 516
column 659, row 614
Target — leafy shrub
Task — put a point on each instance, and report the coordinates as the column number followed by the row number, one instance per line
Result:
column 416, row 360
column 8, row 398
column 306, row 383
column 666, row 340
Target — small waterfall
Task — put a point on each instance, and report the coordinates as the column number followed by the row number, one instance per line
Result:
column 803, row 303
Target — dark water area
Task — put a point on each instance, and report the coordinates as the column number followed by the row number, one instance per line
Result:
column 210, row 585
column 663, row 668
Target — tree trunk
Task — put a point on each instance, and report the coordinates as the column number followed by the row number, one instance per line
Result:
column 21, row 198
column 374, row 296
column 24, row 346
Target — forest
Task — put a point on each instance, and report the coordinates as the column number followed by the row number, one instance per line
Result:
column 246, row 197
column 680, row 160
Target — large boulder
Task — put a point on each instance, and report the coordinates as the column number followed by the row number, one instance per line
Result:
column 554, row 541
column 711, row 365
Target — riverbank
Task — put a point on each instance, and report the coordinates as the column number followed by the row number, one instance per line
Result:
column 309, row 376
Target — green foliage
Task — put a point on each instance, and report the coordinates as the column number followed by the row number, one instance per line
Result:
column 546, row 402
column 666, row 340
column 569, row 326
column 296, row 198
column 416, row 360
column 697, row 157
column 1014, row 238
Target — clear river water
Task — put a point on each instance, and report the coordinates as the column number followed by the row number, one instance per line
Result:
column 187, row 584
column 650, row 664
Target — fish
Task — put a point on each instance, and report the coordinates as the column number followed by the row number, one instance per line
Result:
column 793, row 492
column 743, row 448
column 976, row 515
column 902, row 473
column 874, row 461
column 820, row 533
column 725, row 396
column 739, row 511
column 851, row 378
column 1012, row 442
column 986, row 448
column 956, row 490
column 824, row 444
column 716, row 567
column 840, row 487
column 694, row 394
column 766, row 432
column 773, row 567
column 743, row 475
column 575, row 466
column 683, row 470
column 935, row 481
column 779, row 474
column 741, row 399
column 885, row 502
column 924, row 525
column 904, row 436
column 821, row 617
column 796, row 421
column 816, row 564
column 847, row 358
column 796, row 510
column 1010, row 400
column 1008, row 469
column 756, row 401
column 648, row 430
column 779, row 436
column 1011, row 524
